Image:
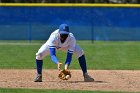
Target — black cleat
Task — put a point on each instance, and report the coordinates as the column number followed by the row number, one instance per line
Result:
column 38, row 78
column 88, row 78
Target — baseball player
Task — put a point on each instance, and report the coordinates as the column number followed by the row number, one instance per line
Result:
column 61, row 39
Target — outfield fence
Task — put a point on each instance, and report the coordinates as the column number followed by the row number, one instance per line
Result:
column 106, row 22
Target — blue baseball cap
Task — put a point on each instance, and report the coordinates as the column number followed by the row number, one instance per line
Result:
column 64, row 29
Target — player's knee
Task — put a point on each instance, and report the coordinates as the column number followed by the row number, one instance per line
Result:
column 79, row 53
column 39, row 56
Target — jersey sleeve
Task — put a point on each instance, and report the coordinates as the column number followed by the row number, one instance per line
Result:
column 52, row 41
column 53, row 55
column 72, row 44
column 69, row 58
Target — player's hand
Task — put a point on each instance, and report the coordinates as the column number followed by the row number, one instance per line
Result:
column 59, row 65
column 66, row 66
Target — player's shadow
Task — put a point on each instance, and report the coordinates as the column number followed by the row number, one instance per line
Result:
column 87, row 82
column 68, row 81
column 100, row 82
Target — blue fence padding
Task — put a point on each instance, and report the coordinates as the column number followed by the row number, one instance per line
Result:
column 98, row 23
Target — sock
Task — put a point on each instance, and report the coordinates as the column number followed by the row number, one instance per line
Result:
column 82, row 62
column 39, row 64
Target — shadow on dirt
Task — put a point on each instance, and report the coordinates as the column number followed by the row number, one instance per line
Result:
column 65, row 81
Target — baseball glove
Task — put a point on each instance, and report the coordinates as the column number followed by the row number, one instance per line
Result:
column 64, row 75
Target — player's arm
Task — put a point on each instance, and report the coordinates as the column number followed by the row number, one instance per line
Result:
column 52, row 46
column 68, row 59
column 54, row 58
column 70, row 52
column 53, row 54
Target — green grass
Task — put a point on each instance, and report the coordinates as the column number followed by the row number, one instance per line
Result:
column 5, row 90
column 99, row 55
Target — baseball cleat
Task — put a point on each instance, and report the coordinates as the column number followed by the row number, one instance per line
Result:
column 38, row 78
column 88, row 78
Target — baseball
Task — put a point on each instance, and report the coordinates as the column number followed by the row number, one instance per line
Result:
column 67, row 76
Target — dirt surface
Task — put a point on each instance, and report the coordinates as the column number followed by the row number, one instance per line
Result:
column 105, row 80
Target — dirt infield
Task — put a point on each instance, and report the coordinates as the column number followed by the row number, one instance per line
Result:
column 105, row 80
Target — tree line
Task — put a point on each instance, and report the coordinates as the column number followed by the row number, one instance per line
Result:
column 71, row 1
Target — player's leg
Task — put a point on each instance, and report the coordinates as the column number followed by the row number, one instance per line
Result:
column 42, row 52
column 82, row 61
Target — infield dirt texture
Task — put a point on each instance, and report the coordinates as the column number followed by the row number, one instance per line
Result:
column 105, row 80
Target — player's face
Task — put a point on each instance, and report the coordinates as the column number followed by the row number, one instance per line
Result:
column 63, row 37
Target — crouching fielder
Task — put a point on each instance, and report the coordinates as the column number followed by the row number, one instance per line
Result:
column 61, row 39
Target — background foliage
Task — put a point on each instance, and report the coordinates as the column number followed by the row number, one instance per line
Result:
column 70, row 1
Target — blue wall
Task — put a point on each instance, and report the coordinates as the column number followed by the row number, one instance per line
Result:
column 98, row 23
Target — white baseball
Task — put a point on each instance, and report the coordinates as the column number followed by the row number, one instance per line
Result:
column 67, row 76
